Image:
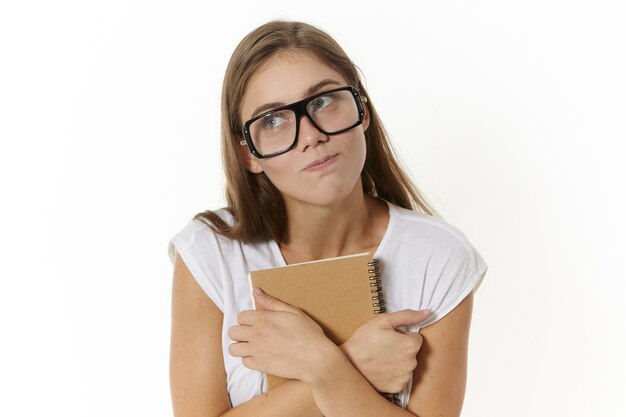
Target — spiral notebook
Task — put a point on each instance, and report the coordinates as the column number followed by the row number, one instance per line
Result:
column 340, row 294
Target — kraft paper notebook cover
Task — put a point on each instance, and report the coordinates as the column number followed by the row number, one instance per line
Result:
column 340, row 294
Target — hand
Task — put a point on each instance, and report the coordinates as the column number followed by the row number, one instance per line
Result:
column 384, row 354
column 279, row 339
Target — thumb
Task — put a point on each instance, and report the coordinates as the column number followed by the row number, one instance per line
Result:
column 407, row 317
column 268, row 302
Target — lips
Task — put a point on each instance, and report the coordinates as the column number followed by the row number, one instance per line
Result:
column 319, row 162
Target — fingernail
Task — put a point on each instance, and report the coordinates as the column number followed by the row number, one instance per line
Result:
column 258, row 291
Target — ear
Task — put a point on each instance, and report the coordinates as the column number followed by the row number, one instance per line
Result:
column 249, row 161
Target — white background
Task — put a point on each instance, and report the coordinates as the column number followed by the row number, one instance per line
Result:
column 510, row 116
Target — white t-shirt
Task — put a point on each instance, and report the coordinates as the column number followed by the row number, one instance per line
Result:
column 425, row 263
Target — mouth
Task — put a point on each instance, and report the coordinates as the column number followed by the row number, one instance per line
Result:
column 321, row 163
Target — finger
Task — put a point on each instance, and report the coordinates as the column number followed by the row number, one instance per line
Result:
column 406, row 317
column 268, row 302
column 250, row 362
column 239, row 349
column 414, row 335
column 248, row 317
column 240, row 333
column 418, row 340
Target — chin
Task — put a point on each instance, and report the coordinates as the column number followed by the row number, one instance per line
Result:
column 325, row 196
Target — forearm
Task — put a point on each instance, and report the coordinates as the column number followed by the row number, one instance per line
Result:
column 340, row 390
column 293, row 398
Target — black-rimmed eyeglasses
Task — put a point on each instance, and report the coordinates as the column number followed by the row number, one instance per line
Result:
column 331, row 112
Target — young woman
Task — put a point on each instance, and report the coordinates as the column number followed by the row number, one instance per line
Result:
column 311, row 175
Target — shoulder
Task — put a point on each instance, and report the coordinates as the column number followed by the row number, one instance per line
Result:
column 427, row 230
column 430, row 262
column 203, row 251
column 200, row 232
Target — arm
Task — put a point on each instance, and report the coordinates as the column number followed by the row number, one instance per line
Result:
column 197, row 375
column 441, row 372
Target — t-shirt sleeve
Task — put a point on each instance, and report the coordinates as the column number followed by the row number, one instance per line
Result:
column 197, row 247
column 457, row 272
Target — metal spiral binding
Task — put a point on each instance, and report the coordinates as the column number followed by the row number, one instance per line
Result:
column 379, row 307
column 393, row 397
column 376, row 287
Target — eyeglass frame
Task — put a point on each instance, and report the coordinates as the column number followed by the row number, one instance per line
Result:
column 299, row 109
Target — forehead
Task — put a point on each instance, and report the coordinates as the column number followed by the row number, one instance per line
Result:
column 285, row 78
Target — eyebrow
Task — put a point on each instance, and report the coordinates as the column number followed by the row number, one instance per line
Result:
column 309, row 92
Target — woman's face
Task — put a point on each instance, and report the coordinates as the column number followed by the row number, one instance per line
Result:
column 284, row 79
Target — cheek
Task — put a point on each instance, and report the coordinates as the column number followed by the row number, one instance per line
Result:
column 280, row 171
column 362, row 150
column 354, row 147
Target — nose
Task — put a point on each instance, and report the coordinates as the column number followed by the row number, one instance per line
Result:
column 309, row 135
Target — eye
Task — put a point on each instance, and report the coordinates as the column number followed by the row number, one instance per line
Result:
column 321, row 102
column 273, row 121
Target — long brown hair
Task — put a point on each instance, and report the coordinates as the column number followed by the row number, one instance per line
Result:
column 254, row 202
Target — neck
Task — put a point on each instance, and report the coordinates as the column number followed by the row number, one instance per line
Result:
column 352, row 225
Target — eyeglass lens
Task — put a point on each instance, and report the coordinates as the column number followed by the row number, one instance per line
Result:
column 331, row 112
